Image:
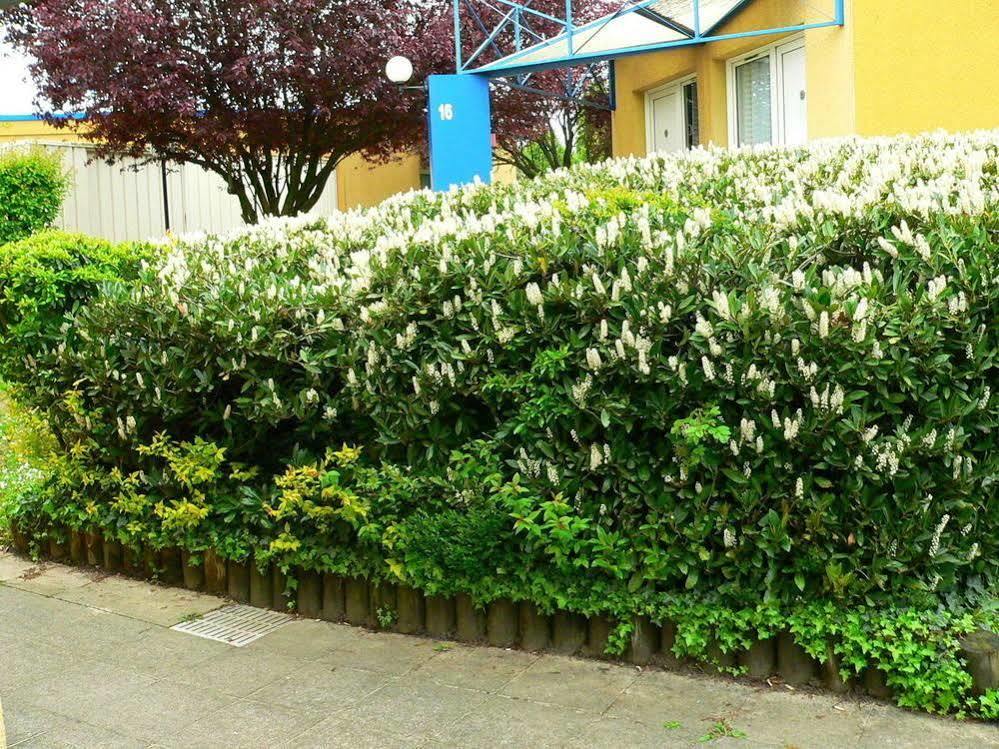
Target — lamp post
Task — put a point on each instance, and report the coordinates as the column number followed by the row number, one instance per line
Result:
column 399, row 70
column 458, row 114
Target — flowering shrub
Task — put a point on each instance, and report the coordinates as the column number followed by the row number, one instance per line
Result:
column 767, row 374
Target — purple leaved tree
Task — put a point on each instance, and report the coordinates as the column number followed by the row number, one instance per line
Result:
column 269, row 94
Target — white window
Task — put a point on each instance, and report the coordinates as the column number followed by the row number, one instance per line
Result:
column 671, row 117
column 767, row 96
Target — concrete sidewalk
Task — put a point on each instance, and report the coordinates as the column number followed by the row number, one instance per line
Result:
column 90, row 661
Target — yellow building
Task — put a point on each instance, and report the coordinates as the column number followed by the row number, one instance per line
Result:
column 894, row 66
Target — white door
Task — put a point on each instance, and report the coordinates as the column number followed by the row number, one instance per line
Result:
column 794, row 112
column 665, row 120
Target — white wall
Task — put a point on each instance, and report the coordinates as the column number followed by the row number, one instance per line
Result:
column 124, row 200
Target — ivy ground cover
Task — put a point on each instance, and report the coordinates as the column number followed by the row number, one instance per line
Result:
column 743, row 390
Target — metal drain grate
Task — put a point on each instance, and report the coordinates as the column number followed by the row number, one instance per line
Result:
column 236, row 625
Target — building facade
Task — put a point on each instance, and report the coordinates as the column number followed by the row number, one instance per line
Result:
column 895, row 66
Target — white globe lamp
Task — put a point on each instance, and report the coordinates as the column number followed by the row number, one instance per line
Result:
column 399, row 69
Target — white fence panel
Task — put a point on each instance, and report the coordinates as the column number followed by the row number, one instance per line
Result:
column 126, row 201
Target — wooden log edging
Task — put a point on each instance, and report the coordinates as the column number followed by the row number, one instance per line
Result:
column 503, row 623
column 113, row 556
column 22, row 544
column 261, row 587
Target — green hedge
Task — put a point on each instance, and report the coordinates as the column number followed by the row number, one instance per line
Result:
column 32, row 187
column 46, row 277
column 729, row 377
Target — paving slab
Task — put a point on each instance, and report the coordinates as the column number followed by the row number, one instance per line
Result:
column 160, row 709
column 339, row 733
column 90, row 633
column 502, row 721
column 23, row 609
column 883, row 729
column 82, row 689
column 482, row 668
column 95, row 665
column 386, row 652
column 312, row 640
column 163, row 652
column 49, row 579
column 140, row 600
column 801, row 719
column 34, row 728
column 239, row 671
column 572, row 682
column 26, row 663
column 320, row 687
column 658, row 697
column 414, row 707
column 244, row 725
column 607, row 733
column 13, row 566
column 24, row 721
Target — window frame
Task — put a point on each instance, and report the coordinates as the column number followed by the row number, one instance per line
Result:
column 772, row 52
column 677, row 85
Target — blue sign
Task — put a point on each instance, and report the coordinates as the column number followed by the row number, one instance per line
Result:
column 461, row 141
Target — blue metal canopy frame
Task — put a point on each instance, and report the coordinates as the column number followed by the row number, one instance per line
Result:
column 460, row 143
column 519, row 14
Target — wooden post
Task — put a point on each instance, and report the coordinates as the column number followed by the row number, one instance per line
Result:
column 442, row 617
column 310, row 594
column 568, row 632
column 830, row 671
column 261, row 586
column 279, row 588
column 644, row 641
column 131, row 561
column 334, row 600
column 795, row 665
column 358, row 602
column 95, row 548
column 535, row 628
column 760, row 660
column 501, row 623
column 21, row 542
column 216, row 574
column 412, row 611
column 58, row 549
column 238, row 575
column 77, row 547
column 194, row 574
column 981, row 652
column 598, row 634
column 471, row 621
column 171, row 566
column 113, row 556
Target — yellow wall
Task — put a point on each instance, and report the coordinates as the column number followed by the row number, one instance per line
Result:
column 828, row 54
column 926, row 64
column 35, row 130
column 361, row 183
column 634, row 76
column 896, row 66
column 831, row 78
